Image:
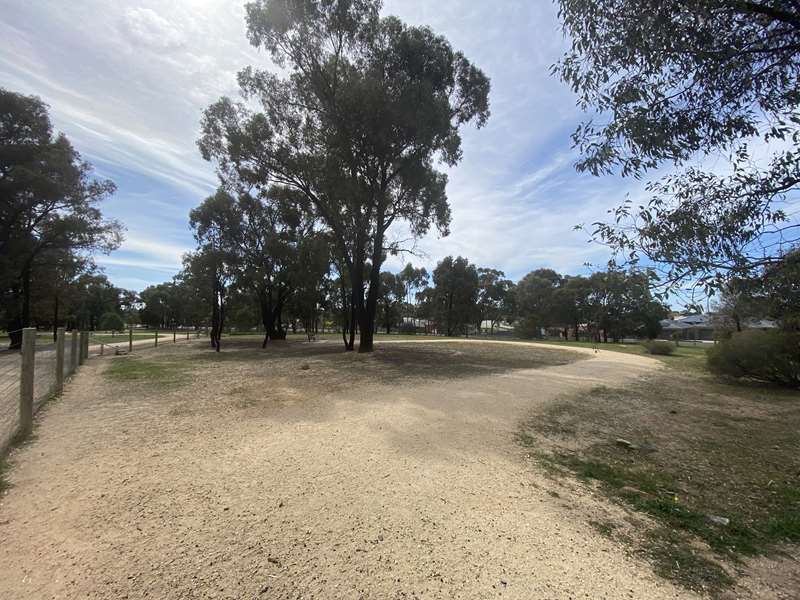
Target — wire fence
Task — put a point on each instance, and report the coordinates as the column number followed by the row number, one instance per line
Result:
column 31, row 376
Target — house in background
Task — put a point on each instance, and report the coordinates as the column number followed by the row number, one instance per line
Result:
column 689, row 327
column 702, row 327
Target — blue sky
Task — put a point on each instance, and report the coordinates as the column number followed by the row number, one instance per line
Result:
column 127, row 82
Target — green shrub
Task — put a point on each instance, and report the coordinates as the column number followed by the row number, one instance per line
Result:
column 772, row 356
column 111, row 321
column 659, row 347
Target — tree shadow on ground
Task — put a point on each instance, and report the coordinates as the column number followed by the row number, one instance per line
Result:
column 389, row 362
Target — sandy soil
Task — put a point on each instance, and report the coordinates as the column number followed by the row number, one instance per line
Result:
column 256, row 479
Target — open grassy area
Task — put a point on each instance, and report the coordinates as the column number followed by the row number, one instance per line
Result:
column 156, row 371
column 388, row 363
column 712, row 467
column 686, row 355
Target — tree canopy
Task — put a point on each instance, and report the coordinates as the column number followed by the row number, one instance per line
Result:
column 353, row 125
column 668, row 83
column 49, row 207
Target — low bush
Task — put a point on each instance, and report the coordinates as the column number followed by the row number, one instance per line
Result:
column 659, row 347
column 772, row 356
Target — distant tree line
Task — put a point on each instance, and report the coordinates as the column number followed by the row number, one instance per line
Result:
column 302, row 289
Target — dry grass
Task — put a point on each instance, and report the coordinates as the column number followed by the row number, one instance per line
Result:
column 701, row 448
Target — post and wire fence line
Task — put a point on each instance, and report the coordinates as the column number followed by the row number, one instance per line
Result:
column 37, row 372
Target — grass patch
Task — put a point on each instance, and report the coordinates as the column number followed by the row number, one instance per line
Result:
column 699, row 449
column 684, row 356
column 159, row 372
column 389, row 363
column 5, row 466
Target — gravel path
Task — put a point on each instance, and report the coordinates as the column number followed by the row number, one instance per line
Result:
column 242, row 484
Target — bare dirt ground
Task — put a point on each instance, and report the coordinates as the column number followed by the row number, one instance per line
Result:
column 305, row 472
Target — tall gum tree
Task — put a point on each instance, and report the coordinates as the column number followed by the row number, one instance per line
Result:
column 357, row 118
column 49, row 204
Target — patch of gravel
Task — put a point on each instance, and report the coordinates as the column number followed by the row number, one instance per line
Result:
column 259, row 479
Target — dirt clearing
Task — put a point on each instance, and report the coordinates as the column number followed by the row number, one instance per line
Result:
column 305, row 472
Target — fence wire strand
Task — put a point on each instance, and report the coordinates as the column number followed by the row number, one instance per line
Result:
column 44, row 372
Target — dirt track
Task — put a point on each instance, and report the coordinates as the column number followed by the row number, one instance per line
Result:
column 271, row 489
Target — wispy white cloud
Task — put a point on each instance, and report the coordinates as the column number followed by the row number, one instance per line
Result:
column 168, row 268
column 145, row 27
column 128, row 80
column 164, row 253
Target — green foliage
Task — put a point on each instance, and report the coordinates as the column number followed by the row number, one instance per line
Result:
column 535, row 301
column 496, row 300
column 452, row 302
column 616, row 303
column 352, row 126
column 389, row 298
column 771, row 356
column 527, row 328
column 659, row 347
column 112, row 321
column 172, row 303
column 692, row 78
column 160, row 373
column 49, row 215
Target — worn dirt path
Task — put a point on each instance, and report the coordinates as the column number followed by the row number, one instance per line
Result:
column 413, row 491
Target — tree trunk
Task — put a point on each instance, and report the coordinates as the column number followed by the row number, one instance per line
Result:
column 55, row 318
column 367, row 320
column 357, row 305
column 278, row 332
column 345, row 310
column 366, row 323
column 266, row 314
column 216, row 317
column 449, row 327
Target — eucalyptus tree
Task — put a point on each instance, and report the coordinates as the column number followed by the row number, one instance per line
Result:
column 413, row 280
column 673, row 82
column 354, row 117
column 454, row 296
column 620, row 303
column 536, row 301
column 49, row 201
column 494, row 298
column 310, row 283
column 390, row 297
column 267, row 235
column 572, row 301
column 211, row 269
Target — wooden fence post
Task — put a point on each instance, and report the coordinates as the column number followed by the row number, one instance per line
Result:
column 74, row 351
column 187, row 335
column 26, row 381
column 174, row 336
column 82, row 345
column 156, row 338
column 130, row 340
column 59, row 359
